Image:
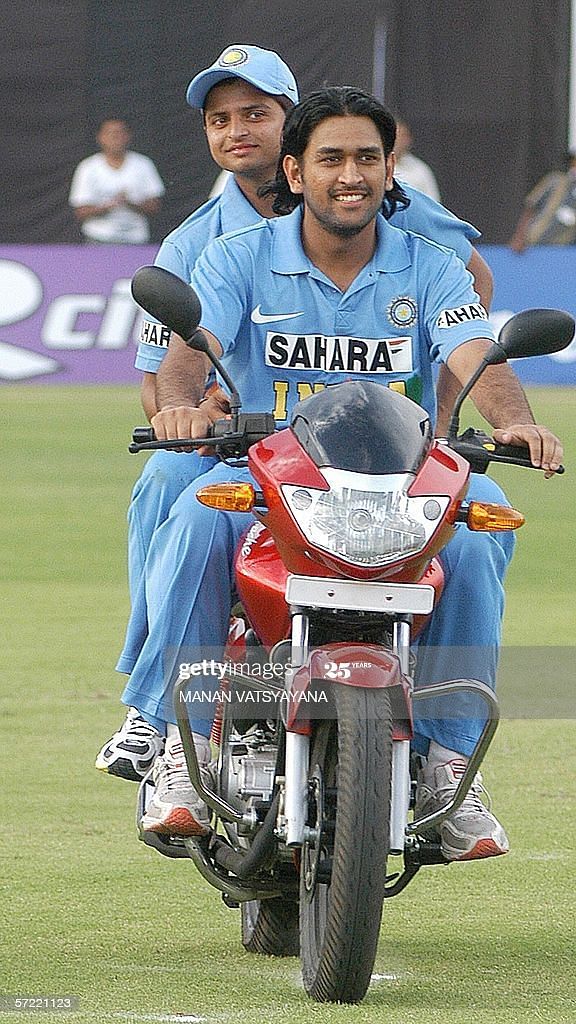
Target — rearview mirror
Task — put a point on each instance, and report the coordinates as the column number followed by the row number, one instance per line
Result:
column 174, row 303
column 170, row 301
column 533, row 332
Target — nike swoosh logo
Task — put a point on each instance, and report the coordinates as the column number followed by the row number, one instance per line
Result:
column 267, row 318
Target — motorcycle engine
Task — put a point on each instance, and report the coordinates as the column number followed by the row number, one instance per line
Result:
column 246, row 767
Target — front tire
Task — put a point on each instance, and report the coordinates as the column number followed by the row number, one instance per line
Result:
column 271, row 927
column 343, row 874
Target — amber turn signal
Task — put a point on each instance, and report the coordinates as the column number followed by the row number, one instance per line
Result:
column 228, row 497
column 483, row 515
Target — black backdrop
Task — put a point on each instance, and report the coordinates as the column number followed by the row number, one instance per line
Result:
column 484, row 86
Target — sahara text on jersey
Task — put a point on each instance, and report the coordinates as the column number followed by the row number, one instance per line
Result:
column 337, row 355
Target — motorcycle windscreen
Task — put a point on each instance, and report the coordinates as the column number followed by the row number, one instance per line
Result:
column 363, row 427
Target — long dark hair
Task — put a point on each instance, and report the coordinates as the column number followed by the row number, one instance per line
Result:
column 335, row 101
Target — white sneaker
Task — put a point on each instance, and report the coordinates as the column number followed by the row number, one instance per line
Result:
column 131, row 752
column 469, row 833
column 175, row 809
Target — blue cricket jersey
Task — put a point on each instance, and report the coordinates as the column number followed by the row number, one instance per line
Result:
column 287, row 330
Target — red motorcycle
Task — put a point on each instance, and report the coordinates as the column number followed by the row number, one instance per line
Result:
column 314, row 785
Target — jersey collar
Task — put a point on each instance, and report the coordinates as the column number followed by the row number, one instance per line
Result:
column 235, row 210
column 288, row 257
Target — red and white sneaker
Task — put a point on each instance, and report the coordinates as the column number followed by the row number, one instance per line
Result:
column 175, row 808
column 469, row 833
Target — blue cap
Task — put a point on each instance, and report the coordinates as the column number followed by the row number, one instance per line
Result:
column 263, row 69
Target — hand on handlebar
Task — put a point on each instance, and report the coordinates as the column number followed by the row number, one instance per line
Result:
column 545, row 448
column 183, row 421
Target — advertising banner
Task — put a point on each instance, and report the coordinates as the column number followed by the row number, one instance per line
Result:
column 67, row 315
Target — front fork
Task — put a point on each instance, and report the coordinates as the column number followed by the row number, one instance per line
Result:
column 400, row 791
column 294, row 814
column 297, row 748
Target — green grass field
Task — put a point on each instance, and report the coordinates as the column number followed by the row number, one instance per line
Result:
column 88, row 911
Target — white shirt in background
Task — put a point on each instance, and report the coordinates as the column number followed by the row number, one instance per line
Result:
column 96, row 182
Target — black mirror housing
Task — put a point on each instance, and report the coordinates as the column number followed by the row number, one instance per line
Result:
column 533, row 332
column 169, row 300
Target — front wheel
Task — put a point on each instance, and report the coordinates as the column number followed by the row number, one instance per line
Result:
column 271, row 927
column 343, row 869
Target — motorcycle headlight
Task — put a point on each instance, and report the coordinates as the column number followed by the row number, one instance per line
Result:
column 365, row 526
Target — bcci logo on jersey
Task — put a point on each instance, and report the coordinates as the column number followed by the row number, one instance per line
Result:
column 403, row 312
column 337, row 354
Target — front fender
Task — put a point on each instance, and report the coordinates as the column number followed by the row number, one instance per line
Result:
column 345, row 664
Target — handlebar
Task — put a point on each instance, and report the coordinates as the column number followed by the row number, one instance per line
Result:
column 142, row 435
column 251, row 427
column 474, row 445
column 480, row 450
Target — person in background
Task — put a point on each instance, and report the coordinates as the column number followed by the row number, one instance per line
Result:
column 114, row 192
column 411, row 169
column 549, row 213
